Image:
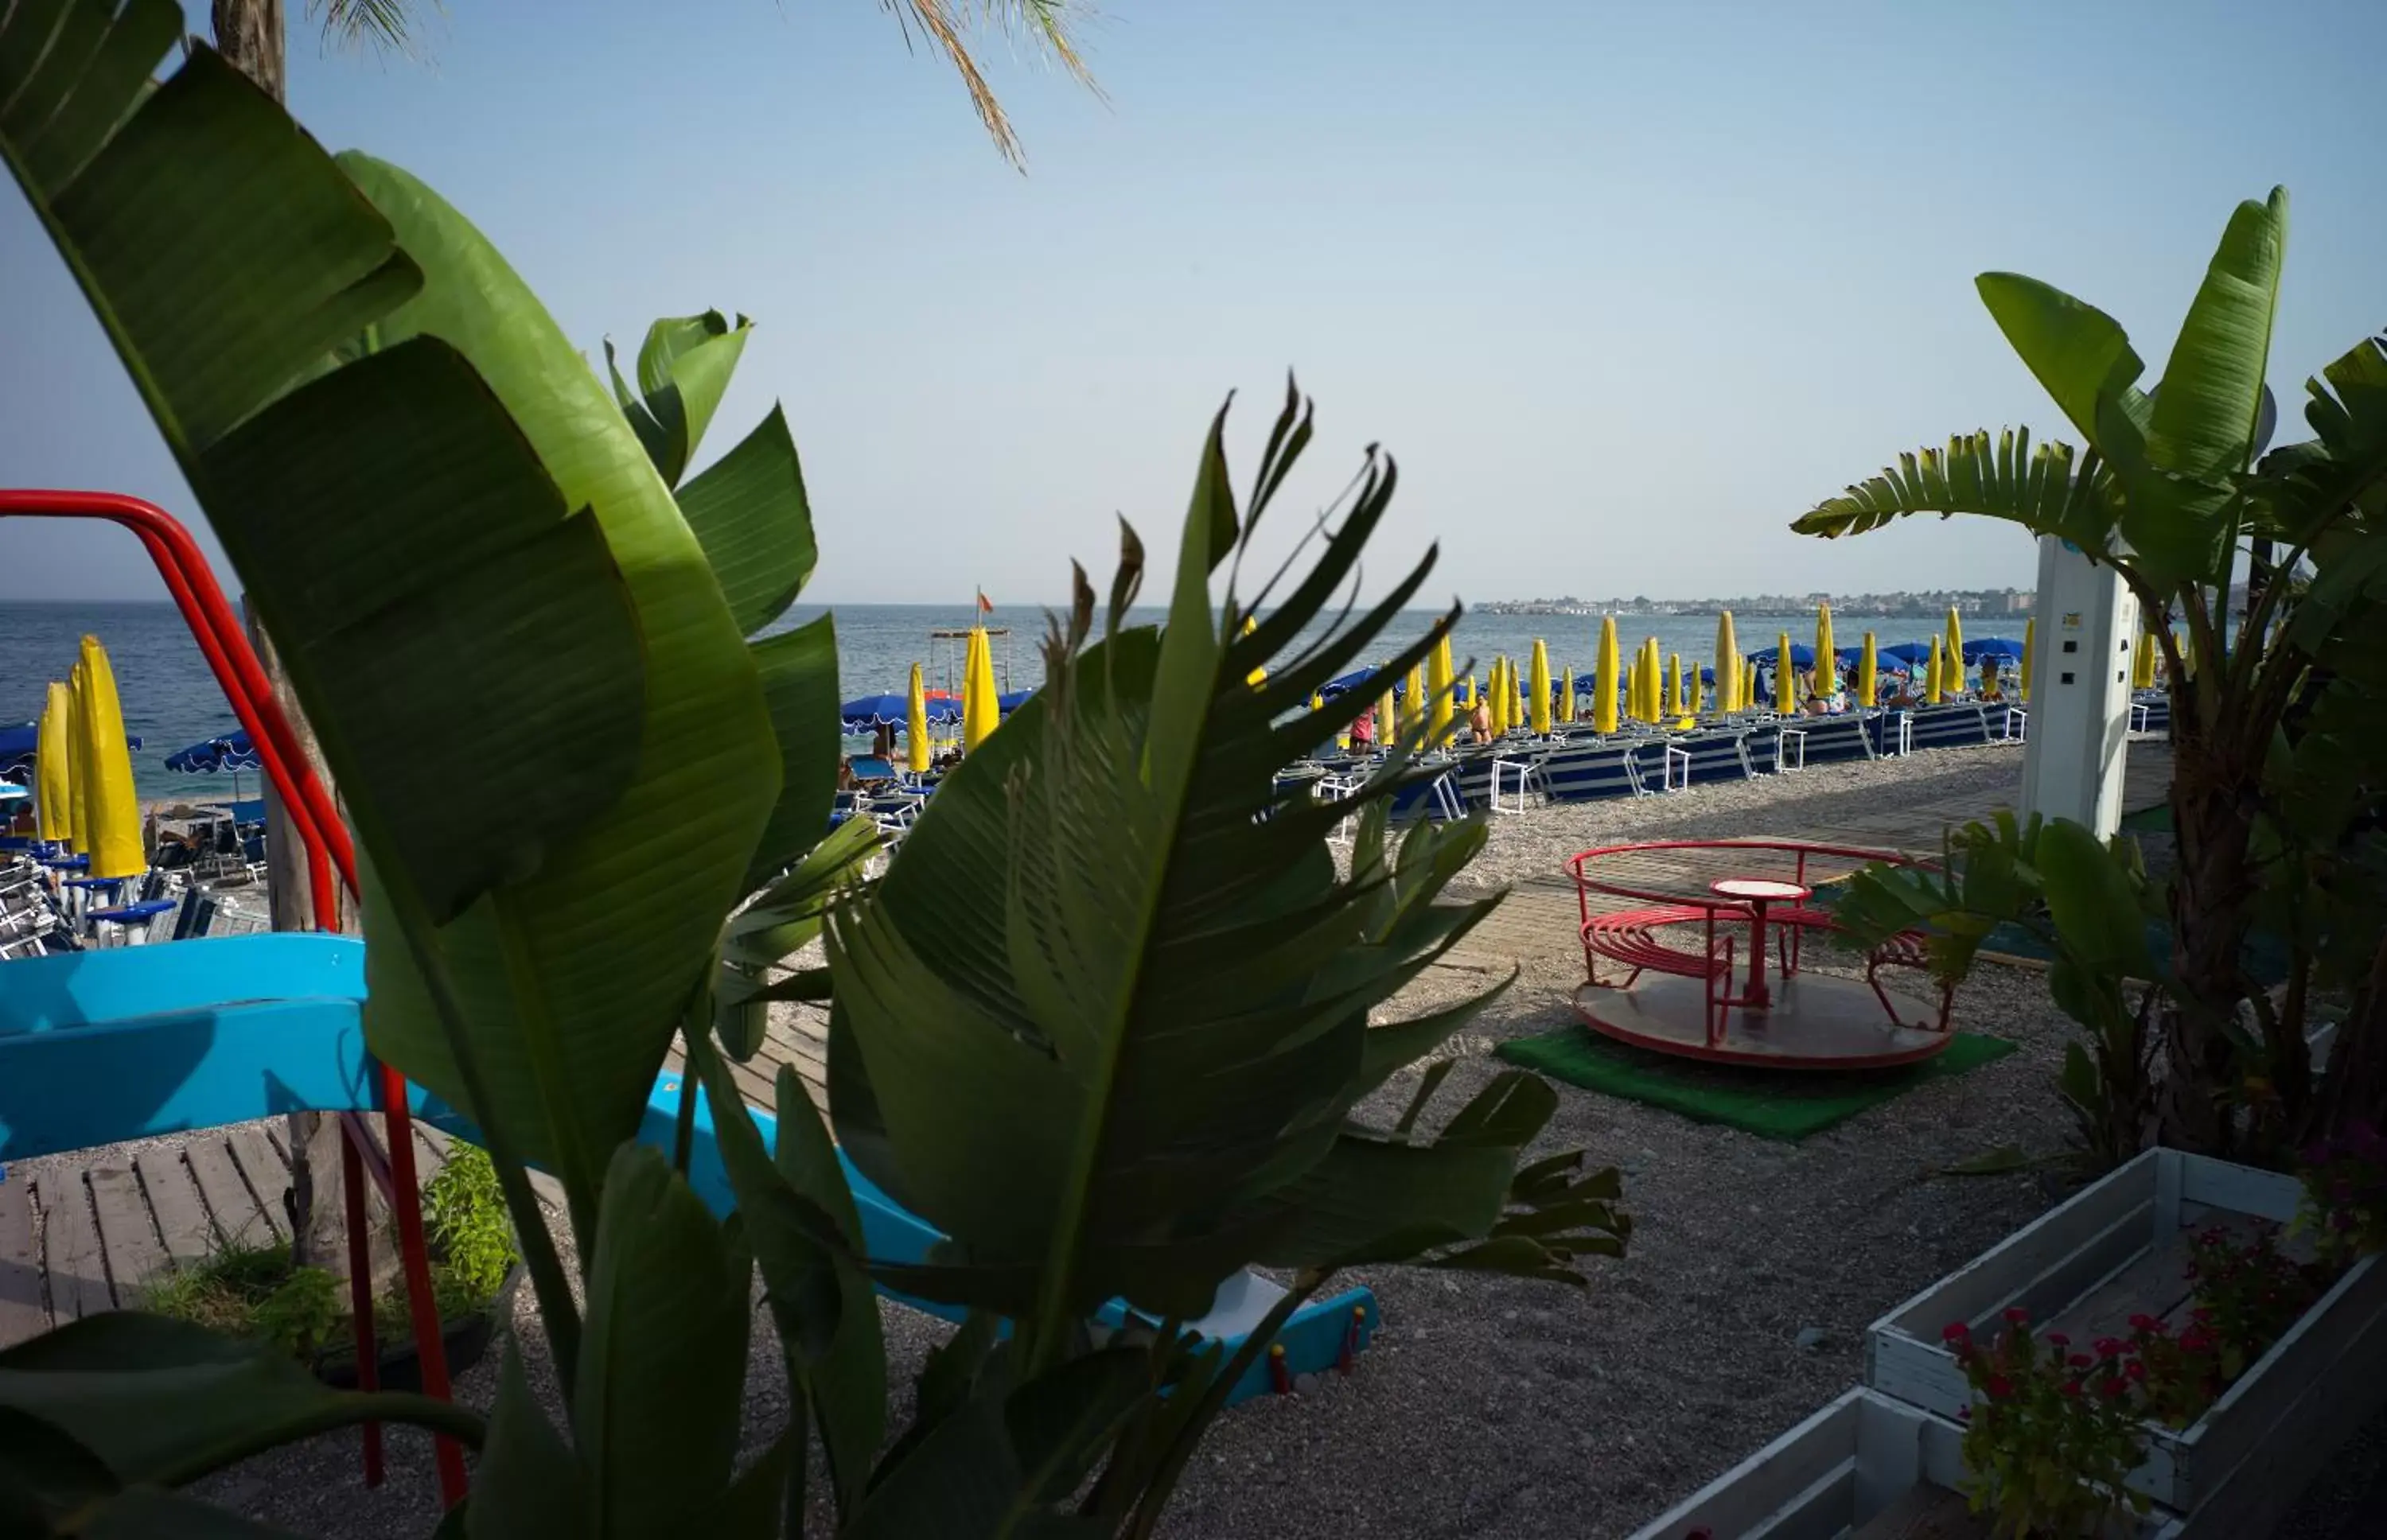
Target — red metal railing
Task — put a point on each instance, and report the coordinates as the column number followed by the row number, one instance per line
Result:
column 316, row 821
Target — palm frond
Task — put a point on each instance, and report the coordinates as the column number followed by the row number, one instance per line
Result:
column 2049, row 490
column 1048, row 25
column 382, row 26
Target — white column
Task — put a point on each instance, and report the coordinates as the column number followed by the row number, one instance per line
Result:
column 2080, row 690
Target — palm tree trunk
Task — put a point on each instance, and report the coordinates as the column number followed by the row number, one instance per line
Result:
column 2212, row 897
column 252, row 36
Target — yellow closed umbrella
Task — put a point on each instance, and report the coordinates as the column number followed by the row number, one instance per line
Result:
column 1786, row 678
column 981, row 712
column 1259, row 676
column 916, row 726
column 1955, row 653
column 110, row 805
column 2142, row 670
column 1673, row 684
column 1437, row 683
column 78, row 768
column 1566, row 698
column 1467, row 693
column 1387, row 721
column 2029, row 655
column 1642, row 709
column 1413, row 702
column 1868, row 675
column 1658, row 701
column 1727, row 667
column 53, row 767
column 1603, row 679
column 1827, row 672
column 1933, row 679
column 1537, row 688
column 1497, row 682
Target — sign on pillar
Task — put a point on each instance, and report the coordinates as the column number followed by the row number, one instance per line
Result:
column 2080, row 690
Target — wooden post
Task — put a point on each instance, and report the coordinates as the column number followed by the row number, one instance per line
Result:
column 251, row 35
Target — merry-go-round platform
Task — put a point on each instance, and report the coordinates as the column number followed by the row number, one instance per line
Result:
column 1696, row 947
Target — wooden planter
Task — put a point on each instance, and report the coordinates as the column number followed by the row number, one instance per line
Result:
column 1865, row 1467
column 2119, row 1247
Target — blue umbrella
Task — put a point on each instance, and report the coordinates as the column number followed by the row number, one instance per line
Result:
column 2003, row 648
column 215, row 755
column 875, row 711
column 1011, row 701
column 1908, row 653
column 18, row 742
column 1802, row 655
column 1350, row 681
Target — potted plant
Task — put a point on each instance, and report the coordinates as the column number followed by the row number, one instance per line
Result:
column 254, row 1292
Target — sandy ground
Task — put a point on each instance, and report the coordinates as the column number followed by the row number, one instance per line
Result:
column 1491, row 1407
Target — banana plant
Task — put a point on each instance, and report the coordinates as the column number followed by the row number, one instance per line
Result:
column 527, row 638
column 2087, row 905
column 2167, row 490
column 1117, row 950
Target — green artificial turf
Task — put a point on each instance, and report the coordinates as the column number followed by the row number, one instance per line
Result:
column 1772, row 1104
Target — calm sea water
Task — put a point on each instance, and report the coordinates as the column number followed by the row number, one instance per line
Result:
column 171, row 699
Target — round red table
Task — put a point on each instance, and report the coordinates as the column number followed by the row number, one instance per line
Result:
column 1757, row 892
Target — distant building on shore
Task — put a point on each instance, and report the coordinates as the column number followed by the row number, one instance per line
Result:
column 1899, row 605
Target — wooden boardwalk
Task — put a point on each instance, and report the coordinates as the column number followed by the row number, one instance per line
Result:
column 80, row 1237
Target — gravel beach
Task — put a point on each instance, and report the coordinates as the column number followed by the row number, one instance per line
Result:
column 1493, row 1408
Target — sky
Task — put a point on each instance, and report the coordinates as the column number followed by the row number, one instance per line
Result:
column 1623, row 288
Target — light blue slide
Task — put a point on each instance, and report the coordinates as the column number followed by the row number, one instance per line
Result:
column 127, row 1043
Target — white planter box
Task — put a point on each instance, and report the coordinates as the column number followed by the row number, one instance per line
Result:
column 2118, row 1248
column 1835, row 1473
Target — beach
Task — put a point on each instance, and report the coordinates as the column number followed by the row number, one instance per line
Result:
column 1499, row 1407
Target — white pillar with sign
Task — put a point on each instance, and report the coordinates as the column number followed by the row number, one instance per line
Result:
column 2080, row 690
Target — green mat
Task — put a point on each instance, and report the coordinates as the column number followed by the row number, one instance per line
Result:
column 1787, row 1104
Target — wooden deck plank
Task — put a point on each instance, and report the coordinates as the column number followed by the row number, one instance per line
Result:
column 22, row 1314
column 238, row 1219
column 174, row 1199
column 267, row 1173
column 127, row 1236
column 78, row 1271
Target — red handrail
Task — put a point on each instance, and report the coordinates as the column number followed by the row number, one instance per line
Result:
column 316, row 821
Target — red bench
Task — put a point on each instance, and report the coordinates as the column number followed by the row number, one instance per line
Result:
column 1629, row 936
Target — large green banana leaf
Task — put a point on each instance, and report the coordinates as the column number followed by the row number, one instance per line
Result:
column 376, row 512
column 1116, row 954
column 2162, row 479
column 575, row 979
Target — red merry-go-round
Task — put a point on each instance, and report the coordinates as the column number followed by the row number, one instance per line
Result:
column 1685, row 930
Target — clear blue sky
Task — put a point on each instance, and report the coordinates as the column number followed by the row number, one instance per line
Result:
column 1625, row 287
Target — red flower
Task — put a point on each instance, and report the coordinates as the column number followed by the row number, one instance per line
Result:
column 2058, row 1339
column 2143, row 1322
column 1999, row 1387
column 2017, row 1314
column 2071, row 1387
column 1955, row 1331
column 2135, row 1369
column 2202, row 1313
column 2112, row 1388
column 2108, row 1348
column 2196, row 1339
column 2080, row 1361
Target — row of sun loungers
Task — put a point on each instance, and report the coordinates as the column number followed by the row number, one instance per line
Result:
column 1508, row 777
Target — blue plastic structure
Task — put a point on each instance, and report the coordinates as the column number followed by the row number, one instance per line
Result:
column 98, row 1047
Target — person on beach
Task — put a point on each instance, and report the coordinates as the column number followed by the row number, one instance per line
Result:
column 1363, row 731
column 1479, row 721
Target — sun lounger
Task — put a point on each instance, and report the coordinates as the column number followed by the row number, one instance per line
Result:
column 1959, row 725
column 1589, row 772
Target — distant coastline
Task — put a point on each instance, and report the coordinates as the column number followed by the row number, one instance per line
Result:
column 1915, row 605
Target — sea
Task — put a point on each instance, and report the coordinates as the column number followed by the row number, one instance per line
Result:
column 171, row 699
